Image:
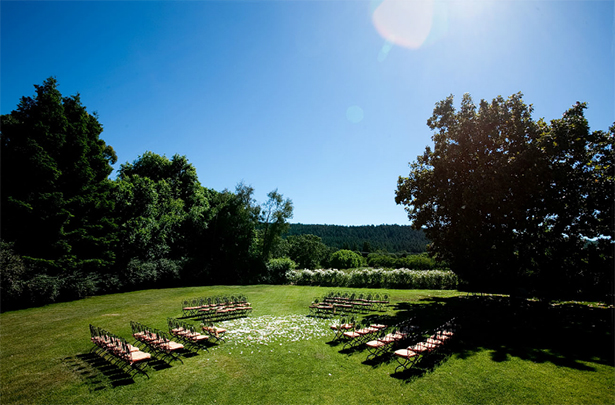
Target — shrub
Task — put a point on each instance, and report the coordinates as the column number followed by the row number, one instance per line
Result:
column 376, row 278
column 78, row 285
column 169, row 271
column 44, row 289
column 277, row 269
column 329, row 278
column 147, row 274
column 346, row 259
column 140, row 273
column 12, row 276
column 414, row 262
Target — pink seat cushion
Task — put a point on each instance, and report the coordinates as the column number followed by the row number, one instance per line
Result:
column 406, row 353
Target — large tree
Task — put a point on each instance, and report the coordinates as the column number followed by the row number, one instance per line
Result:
column 509, row 201
column 307, row 251
column 55, row 188
column 274, row 214
column 229, row 253
column 163, row 212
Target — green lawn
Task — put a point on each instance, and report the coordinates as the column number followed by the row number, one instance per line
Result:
column 506, row 354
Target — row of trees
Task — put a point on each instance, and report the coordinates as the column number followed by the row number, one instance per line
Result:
column 310, row 252
column 366, row 238
column 68, row 230
column 516, row 204
column 508, row 203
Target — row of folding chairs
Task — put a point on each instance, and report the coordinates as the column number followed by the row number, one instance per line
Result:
column 355, row 333
column 392, row 339
column 439, row 340
column 334, row 303
column 217, row 308
column 187, row 334
column 224, row 312
column 118, row 350
column 156, row 341
column 360, row 301
column 360, row 333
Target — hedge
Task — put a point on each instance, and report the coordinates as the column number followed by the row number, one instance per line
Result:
column 376, row 278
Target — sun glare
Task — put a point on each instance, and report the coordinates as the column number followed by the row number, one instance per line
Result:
column 404, row 23
column 413, row 24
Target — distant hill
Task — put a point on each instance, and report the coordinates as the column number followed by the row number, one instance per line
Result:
column 390, row 238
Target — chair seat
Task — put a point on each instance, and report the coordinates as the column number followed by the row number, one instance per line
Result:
column 365, row 331
column 376, row 343
column 171, row 346
column 422, row 347
column 406, row 353
column 197, row 337
column 136, row 357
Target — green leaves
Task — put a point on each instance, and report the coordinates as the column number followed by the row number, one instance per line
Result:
column 162, row 205
column 55, row 165
column 502, row 196
column 273, row 221
column 345, row 259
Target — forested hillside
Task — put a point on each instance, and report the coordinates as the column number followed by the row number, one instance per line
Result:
column 367, row 238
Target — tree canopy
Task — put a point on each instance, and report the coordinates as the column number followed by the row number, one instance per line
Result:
column 55, row 187
column 512, row 202
column 69, row 231
column 274, row 216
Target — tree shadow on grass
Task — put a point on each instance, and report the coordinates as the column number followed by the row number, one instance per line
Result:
column 567, row 335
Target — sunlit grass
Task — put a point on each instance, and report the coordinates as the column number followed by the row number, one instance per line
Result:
column 279, row 356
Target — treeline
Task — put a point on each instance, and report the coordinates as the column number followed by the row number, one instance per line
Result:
column 69, row 231
column 366, row 239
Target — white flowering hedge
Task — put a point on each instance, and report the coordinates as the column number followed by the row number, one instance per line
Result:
column 274, row 330
column 376, row 278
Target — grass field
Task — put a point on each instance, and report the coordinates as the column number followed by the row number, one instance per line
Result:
column 519, row 353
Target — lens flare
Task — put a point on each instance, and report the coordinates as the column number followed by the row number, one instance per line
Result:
column 384, row 52
column 354, row 114
column 409, row 23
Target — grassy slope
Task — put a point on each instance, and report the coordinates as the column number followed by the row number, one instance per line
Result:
column 44, row 355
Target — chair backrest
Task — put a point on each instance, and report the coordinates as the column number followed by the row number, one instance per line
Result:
column 93, row 331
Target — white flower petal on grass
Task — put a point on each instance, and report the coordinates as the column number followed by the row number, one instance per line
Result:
column 270, row 329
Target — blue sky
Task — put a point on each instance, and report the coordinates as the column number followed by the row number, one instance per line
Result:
column 325, row 100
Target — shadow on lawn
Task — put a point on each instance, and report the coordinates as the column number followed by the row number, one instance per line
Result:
column 567, row 335
column 97, row 372
column 100, row 373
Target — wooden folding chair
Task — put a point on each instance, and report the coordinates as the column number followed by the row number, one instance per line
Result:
column 213, row 332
